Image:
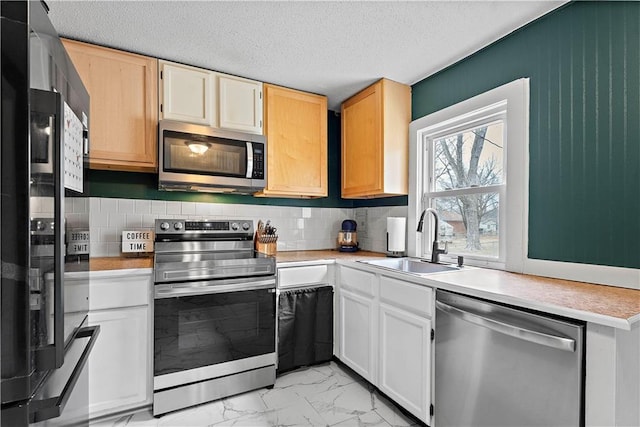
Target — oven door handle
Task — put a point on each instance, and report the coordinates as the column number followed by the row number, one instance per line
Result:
column 172, row 290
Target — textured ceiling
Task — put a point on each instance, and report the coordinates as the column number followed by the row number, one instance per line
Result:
column 331, row 48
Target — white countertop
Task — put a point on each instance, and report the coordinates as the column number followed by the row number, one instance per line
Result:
column 605, row 305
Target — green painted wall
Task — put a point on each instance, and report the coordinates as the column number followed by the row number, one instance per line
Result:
column 145, row 186
column 584, row 64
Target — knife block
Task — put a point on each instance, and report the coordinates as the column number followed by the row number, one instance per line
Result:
column 266, row 244
column 266, row 248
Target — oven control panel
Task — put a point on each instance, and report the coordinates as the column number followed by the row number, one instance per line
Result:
column 219, row 227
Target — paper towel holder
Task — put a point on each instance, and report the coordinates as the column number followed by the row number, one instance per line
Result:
column 394, row 254
column 398, row 250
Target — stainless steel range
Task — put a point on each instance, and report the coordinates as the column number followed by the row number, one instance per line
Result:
column 214, row 313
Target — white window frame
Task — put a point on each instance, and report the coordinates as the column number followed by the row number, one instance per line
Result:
column 512, row 102
column 475, row 119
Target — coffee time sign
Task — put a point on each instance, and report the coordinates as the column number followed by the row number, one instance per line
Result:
column 78, row 242
column 137, row 241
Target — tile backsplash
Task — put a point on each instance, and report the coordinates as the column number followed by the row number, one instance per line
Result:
column 372, row 225
column 299, row 228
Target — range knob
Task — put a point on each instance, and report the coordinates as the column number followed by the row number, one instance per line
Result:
column 245, row 226
column 177, row 226
column 164, row 226
column 234, row 226
column 40, row 225
column 53, row 226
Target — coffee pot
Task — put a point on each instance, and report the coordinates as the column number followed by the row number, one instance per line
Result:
column 348, row 237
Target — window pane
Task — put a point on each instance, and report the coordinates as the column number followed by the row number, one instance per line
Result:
column 471, row 158
column 469, row 223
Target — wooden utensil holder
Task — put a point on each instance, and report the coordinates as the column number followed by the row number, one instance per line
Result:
column 266, row 248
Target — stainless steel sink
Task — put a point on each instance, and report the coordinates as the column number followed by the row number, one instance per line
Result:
column 411, row 265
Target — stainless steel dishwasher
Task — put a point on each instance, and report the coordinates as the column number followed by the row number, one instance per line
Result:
column 501, row 366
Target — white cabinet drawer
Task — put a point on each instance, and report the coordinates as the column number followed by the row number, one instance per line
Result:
column 357, row 280
column 306, row 275
column 117, row 289
column 412, row 297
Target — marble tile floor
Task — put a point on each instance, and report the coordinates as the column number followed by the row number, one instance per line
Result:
column 321, row 395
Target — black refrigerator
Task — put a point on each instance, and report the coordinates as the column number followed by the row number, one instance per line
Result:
column 44, row 225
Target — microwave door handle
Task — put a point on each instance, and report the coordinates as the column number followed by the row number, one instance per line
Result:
column 249, row 160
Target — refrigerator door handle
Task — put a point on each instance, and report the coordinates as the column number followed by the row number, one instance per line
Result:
column 52, row 407
column 537, row 337
column 59, row 225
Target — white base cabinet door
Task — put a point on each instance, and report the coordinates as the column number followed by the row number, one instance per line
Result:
column 405, row 359
column 384, row 331
column 120, row 361
column 358, row 346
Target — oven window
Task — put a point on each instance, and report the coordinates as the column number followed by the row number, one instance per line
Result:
column 204, row 155
column 195, row 331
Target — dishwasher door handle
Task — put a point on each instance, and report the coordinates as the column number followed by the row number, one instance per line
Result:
column 560, row 343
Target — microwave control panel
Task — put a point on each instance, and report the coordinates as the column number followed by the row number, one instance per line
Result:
column 258, row 161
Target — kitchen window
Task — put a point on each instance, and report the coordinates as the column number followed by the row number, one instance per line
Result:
column 469, row 162
column 464, row 183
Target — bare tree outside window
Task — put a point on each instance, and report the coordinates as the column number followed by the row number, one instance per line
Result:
column 469, row 159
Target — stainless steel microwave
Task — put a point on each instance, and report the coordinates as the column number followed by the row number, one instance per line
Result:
column 201, row 158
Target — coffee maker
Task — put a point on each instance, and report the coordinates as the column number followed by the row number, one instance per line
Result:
column 347, row 237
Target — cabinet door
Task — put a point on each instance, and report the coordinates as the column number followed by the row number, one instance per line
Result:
column 405, row 360
column 119, row 365
column 362, row 148
column 375, row 141
column 124, row 106
column 186, row 94
column 358, row 334
column 296, row 129
column 239, row 104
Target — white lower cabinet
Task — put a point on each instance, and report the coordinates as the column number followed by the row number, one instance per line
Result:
column 405, row 359
column 385, row 335
column 358, row 333
column 121, row 361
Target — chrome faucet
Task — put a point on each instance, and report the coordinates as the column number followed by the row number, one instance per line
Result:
column 435, row 247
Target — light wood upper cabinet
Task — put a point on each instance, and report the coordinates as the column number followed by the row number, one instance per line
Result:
column 186, row 94
column 239, row 104
column 375, row 141
column 296, row 130
column 124, row 96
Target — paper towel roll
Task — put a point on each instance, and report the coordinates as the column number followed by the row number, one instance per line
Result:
column 396, row 231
